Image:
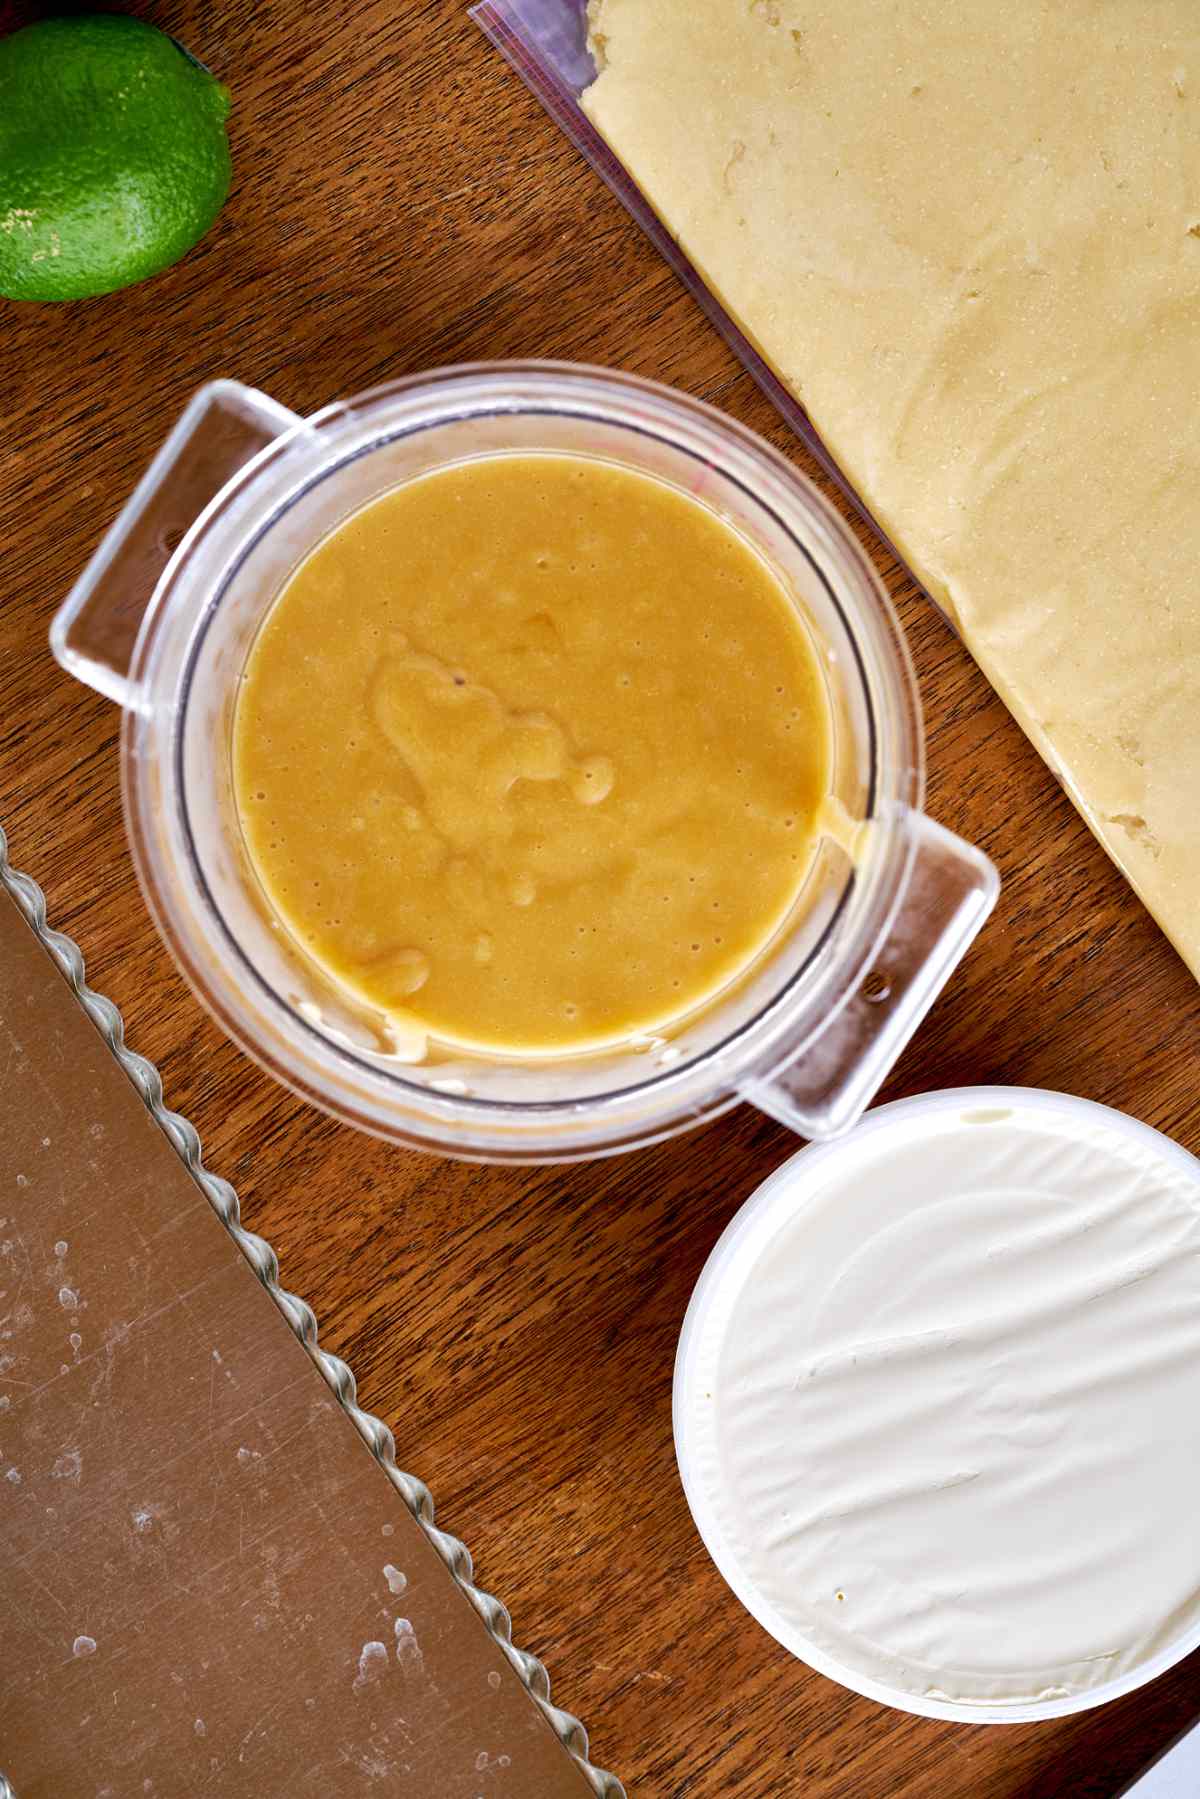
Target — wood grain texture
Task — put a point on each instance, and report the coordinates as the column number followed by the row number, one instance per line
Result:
column 400, row 202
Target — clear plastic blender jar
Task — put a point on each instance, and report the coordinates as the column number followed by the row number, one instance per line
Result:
column 164, row 617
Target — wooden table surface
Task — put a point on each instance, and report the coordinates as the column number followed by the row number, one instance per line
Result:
column 401, row 202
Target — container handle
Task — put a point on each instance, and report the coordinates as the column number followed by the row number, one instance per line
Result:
column 822, row 1087
column 93, row 633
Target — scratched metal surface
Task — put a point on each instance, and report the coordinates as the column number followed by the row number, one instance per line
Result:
column 215, row 1578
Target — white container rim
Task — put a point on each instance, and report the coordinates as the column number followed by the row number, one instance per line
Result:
column 742, row 1237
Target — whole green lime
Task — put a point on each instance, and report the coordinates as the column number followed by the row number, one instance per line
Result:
column 113, row 155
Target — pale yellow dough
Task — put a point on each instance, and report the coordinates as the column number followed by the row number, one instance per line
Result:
column 967, row 234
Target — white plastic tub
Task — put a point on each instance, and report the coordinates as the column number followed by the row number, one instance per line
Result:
column 937, row 1394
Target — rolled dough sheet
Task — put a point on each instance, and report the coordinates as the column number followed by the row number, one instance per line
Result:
column 968, row 237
